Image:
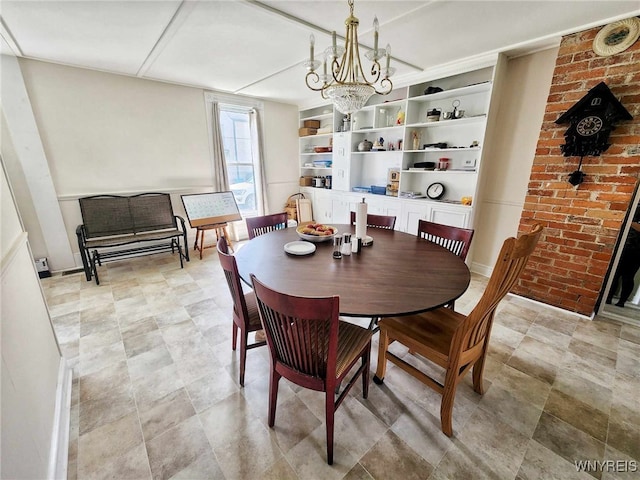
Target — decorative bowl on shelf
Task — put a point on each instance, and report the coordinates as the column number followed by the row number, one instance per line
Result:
column 322, row 149
column 316, row 232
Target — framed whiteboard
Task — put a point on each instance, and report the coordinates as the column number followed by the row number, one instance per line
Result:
column 210, row 208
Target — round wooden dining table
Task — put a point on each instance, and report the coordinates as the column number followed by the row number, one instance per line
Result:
column 399, row 274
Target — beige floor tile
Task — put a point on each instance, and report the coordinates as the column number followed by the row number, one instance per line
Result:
column 540, row 463
column 567, row 441
column 160, row 415
column 177, row 448
column 390, row 457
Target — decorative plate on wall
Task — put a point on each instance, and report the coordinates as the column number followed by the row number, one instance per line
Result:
column 616, row 37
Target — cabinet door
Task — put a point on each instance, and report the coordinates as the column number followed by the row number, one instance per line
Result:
column 410, row 214
column 322, row 208
column 456, row 216
column 341, row 168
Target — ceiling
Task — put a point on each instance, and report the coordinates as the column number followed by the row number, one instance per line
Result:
column 256, row 48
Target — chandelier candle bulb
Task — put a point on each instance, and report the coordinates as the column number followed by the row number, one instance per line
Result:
column 388, row 48
column 376, row 26
column 334, row 43
column 312, row 41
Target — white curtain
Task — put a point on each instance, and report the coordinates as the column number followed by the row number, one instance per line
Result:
column 256, row 136
column 220, row 176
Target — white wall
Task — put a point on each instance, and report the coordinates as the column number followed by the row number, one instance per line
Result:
column 281, row 153
column 505, row 175
column 30, row 357
column 106, row 133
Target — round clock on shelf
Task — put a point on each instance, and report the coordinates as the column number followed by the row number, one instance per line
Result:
column 435, row 191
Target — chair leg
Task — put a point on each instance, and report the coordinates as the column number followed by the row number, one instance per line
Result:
column 448, row 396
column 478, row 369
column 273, row 395
column 234, row 338
column 243, row 354
column 366, row 359
column 330, row 408
column 383, row 345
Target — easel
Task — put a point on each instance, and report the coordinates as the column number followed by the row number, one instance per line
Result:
column 221, row 230
column 210, row 211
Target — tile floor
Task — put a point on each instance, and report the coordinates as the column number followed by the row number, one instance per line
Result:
column 156, row 395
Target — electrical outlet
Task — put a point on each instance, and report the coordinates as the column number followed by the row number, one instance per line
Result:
column 469, row 163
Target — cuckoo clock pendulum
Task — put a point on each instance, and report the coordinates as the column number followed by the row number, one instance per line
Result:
column 590, row 120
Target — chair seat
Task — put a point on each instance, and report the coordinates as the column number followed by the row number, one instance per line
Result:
column 352, row 339
column 252, row 309
column 431, row 330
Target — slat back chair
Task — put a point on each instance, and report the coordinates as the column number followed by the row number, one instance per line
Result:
column 452, row 340
column 311, row 347
column 245, row 311
column 377, row 221
column 454, row 239
column 266, row 223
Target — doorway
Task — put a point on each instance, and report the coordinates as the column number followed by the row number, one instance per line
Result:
column 630, row 313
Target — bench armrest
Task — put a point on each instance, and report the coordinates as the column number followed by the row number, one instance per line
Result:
column 182, row 222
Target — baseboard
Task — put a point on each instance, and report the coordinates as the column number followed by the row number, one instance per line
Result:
column 480, row 269
column 59, row 453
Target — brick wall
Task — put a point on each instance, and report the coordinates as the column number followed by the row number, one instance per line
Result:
column 582, row 224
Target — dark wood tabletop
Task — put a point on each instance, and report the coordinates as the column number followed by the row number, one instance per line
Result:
column 398, row 274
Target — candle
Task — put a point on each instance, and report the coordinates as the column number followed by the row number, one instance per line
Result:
column 312, row 42
column 375, row 35
column 388, row 56
column 335, row 48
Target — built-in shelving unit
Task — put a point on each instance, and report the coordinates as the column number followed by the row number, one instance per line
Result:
column 404, row 125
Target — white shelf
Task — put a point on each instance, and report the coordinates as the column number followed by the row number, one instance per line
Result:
column 378, row 129
column 322, row 116
column 450, row 123
column 315, row 168
column 312, row 154
column 376, row 151
column 447, row 172
column 451, row 149
column 318, row 135
column 456, row 92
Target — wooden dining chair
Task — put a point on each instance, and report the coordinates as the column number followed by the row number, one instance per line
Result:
column 377, row 221
column 454, row 341
column 455, row 239
column 311, row 347
column 266, row 223
column 245, row 311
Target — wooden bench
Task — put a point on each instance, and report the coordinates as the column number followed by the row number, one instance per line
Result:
column 113, row 225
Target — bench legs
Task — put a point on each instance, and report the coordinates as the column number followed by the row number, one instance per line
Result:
column 92, row 260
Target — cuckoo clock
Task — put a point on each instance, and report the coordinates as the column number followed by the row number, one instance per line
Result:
column 591, row 121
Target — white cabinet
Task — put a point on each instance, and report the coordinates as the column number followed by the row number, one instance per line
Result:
column 438, row 212
column 342, row 160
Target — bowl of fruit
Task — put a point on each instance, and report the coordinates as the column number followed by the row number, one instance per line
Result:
column 316, row 232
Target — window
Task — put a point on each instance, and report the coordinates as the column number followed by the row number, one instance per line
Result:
column 236, row 127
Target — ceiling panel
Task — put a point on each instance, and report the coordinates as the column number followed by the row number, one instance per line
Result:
column 115, row 35
column 230, row 45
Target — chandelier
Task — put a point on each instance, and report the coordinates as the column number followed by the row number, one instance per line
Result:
column 347, row 85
